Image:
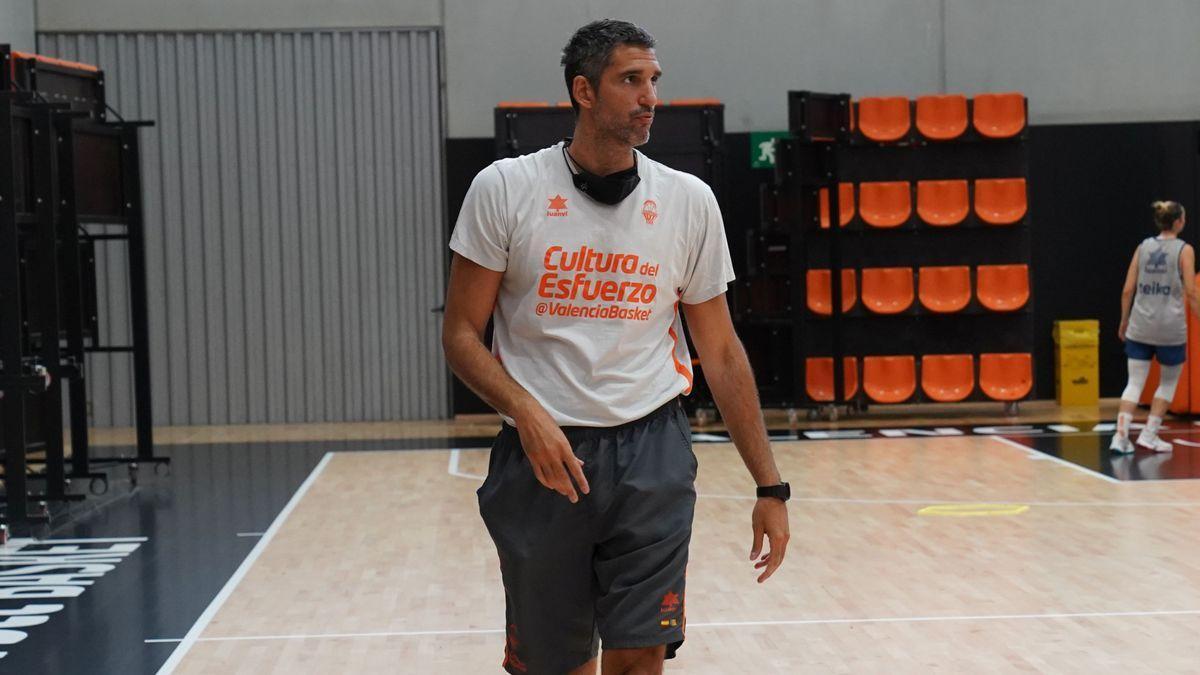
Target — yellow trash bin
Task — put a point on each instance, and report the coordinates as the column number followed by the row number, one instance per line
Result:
column 1077, row 362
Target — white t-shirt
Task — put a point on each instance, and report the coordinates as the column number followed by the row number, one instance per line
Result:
column 587, row 316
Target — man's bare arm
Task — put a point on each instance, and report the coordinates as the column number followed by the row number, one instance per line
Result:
column 729, row 377
column 470, row 299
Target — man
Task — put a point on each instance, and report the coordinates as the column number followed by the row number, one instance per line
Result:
column 584, row 251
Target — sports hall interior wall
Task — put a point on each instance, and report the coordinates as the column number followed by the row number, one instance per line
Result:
column 1077, row 60
column 1090, row 191
column 17, row 23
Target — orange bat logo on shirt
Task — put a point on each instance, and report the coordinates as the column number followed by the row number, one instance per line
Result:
column 649, row 211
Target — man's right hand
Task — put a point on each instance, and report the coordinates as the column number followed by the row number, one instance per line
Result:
column 554, row 463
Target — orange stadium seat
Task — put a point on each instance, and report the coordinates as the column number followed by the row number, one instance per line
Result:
column 845, row 205
column 1006, row 377
column 889, row 379
column 1002, row 288
column 884, row 119
column 941, row 118
column 887, row 290
column 944, row 289
column 818, row 378
column 1000, row 201
column 999, row 115
column 943, row 203
column 885, row 204
column 820, row 291
column 947, row 378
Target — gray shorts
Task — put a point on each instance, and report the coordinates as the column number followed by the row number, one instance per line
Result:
column 610, row 567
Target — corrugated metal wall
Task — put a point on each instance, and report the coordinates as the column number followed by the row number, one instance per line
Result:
column 294, row 224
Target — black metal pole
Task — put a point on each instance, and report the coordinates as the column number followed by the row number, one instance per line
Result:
column 835, row 270
column 71, row 298
column 12, row 405
column 42, row 270
column 131, row 171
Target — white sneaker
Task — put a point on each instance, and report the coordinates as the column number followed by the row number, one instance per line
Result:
column 1121, row 445
column 1154, row 442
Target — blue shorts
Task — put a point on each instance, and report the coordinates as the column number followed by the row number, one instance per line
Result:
column 1167, row 356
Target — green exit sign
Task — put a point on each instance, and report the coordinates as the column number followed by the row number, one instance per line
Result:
column 762, row 148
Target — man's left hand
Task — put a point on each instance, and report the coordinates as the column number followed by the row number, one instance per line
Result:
column 770, row 518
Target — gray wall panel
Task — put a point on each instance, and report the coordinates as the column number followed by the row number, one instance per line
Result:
column 157, row 15
column 1077, row 60
column 1080, row 60
column 294, row 225
column 17, row 24
column 748, row 54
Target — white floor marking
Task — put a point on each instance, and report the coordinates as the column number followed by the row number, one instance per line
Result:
column 1030, row 452
column 733, row 624
column 937, row 500
column 455, row 456
column 926, row 619
column 213, row 607
column 249, row 534
column 454, row 470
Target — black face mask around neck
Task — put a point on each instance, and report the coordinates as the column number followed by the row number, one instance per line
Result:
column 610, row 189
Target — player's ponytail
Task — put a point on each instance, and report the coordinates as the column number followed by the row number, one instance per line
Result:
column 1166, row 213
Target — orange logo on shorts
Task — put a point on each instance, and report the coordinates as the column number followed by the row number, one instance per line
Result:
column 670, row 602
column 649, row 211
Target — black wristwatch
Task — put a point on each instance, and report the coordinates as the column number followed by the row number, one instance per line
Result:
column 782, row 492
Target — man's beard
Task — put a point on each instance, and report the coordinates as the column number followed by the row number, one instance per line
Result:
column 628, row 133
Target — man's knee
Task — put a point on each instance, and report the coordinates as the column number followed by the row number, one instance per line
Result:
column 640, row 661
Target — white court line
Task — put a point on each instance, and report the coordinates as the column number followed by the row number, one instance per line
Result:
column 733, row 624
column 1031, row 452
column 453, row 470
column 213, row 607
column 249, row 534
column 930, row 619
column 453, row 467
column 926, row 502
column 398, row 633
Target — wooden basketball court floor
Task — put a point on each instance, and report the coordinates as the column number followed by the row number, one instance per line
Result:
column 958, row 554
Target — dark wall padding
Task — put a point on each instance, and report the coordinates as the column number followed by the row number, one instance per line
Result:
column 1090, row 191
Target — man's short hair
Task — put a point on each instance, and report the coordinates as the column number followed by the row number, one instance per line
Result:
column 590, row 49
